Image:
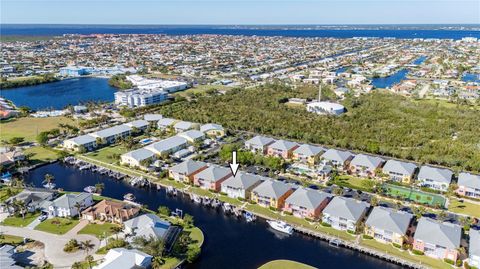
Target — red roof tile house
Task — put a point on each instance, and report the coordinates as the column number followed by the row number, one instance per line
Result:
column 110, row 211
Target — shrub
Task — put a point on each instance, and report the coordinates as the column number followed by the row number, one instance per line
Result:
column 309, row 219
column 273, row 208
column 397, row 245
column 417, row 252
column 71, row 246
column 223, row 193
column 351, row 232
column 449, row 261
column 241, row 199
column 324, row 224
column 366, row 236
column 459, row 263
column 288, row 213
column 406, row 246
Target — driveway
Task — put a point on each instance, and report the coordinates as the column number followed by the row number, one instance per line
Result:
column 54, row 244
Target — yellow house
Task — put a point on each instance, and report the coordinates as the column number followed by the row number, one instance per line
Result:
column 387, row 225
column 308, row 154
column 271, row 193
column 399, row 171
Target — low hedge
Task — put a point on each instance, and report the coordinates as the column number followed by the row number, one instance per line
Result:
column 417, row 252
column 449, row 261
column 397, row 245
column 324, row 224
column 366, row 236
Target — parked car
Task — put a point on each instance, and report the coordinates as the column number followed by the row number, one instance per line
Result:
column 43, row 217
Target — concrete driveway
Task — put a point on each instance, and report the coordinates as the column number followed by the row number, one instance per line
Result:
column 54, row 244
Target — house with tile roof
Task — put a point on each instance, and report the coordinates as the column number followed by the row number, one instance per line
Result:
column 306, row 203
column 110, row 211
column 437, row 240
column 271, row 193
column 387, row 225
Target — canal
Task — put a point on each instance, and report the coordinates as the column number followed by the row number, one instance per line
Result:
column 229, row 242
column 59, row 94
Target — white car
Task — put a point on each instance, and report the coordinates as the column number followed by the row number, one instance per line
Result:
column 43, row 217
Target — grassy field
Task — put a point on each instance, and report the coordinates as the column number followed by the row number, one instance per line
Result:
column 201, row 89
column 19, row 221
column 285, row 264
column 10, row 239
column 414, row 195
column 464, row 207
column 57, row 225
column 105, row 154
column 354, row 183
column 7, row 192
column 98, row 230
column 197, row 235
column 29, row 128
column 41, row 154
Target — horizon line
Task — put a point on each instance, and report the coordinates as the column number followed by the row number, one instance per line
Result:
column 248, row 24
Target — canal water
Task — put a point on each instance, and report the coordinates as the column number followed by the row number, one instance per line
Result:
column 229, row 242
column 59, row 94
column 389, row 81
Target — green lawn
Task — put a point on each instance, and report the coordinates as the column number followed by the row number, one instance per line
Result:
column 464, row 207
column 353, row 182
column 29, row 128
column 41, row 154
column 19, row 221
column 105, row 154
column 57, row 225
column 434, row 263
column 201, row 89
column 414, row 195
column 7, row 192
column 197, row 235
column 10, row 239
column 285, row 264
column 98, row 229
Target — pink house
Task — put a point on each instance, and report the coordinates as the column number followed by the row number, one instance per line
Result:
column 306, row 203
column 211, row 178
column 437, row 240
column 281, row 148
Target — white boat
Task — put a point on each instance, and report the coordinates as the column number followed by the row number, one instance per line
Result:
column 280, row 226
column 249, row 217
column 129, row 197
column 50, row 186
column 197, row 199
column 90, row 189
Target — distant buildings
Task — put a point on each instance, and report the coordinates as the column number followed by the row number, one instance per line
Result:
column 327, row 108
column 139, row 98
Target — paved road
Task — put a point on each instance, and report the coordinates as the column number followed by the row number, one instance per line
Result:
column 54, row 243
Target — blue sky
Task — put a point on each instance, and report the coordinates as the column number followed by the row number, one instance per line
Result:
column 240, row 11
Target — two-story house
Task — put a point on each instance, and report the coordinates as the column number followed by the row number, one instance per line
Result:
column 241, row 185
column 387, row 225
column 271, row 193
column 437, row 240
column 469, row 185
column 308, row 154
column 211, row 177
column 344, row 213
column 474, row 248
column 400, row 171
column 259, row 144
column 306, row 203
column 282, row 148
column 338, row 159
column 434, row 177
column 365, row 165
column 70, row 205
column 185, row 171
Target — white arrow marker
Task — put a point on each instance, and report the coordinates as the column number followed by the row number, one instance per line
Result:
column 234, row 165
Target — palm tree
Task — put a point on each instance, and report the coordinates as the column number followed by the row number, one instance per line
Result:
column 99, row 187
column 87, row 246
column 442, row 216
column 49, row 178
column 21, row 207
column 78, row 206
column 116, row 230
column 153, row 246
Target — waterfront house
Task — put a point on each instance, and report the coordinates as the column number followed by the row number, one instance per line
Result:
column 185, row 171
column 474, row 248
column 11, row 156
column 88, row 142
column 165, row 123
column 308, row 154
column 168, row 146
column 365, row 165
column 259, row 144
column 213, row 130
column 135, row 158
column 241, row 185
column 387, row 225
column 110, row 211
column 306, row 203
column 434, row 178
column 400, row 171
column 122, row 258
column 192, row 136
column 112, row 134
column 271, row 193
column 437, row 240
column 212, row 177
column 338, row 159
column 469, row 185
column 33, row 199
column 152, row 118
column 140, row 125
column 183, row 126
column 282, row 148
column 148, row 225
column 6, row 257
column 344, row 213
column 70, row 205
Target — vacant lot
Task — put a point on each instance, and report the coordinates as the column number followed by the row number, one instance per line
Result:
column 29, row 128
column 464, row 207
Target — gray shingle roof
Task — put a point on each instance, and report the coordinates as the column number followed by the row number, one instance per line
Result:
column 183, row 125
column 474, row 247
column 210, row 127
column 337, row 155
column 148, row 225
column 308, row 198
column 469, row 180
column 69, row 200
column 283, row 145
column 152, row 117
column 371, row 162
column 260, row 140
column 436, row 174
column 308, row 150
column 115, row 130
column 192, row 135
column 83, row 139
column 389, row 220
column 272, row 188
column 444, row 234
column 400, row 167
column 140, row 154
column 347, row 208
column 137, row 124
column 122, row 258
column 213, row 173
column 187, row 167
column 167, row 144
column 165, row 122
column 242, row 180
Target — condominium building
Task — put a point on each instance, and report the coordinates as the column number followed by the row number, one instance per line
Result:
column 137, row 98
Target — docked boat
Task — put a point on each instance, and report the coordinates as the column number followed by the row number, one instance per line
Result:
column 249, row 217
column 90, row 189
column 50, row 186
column 197, row 199
column 129, row 197
column 280, row 226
